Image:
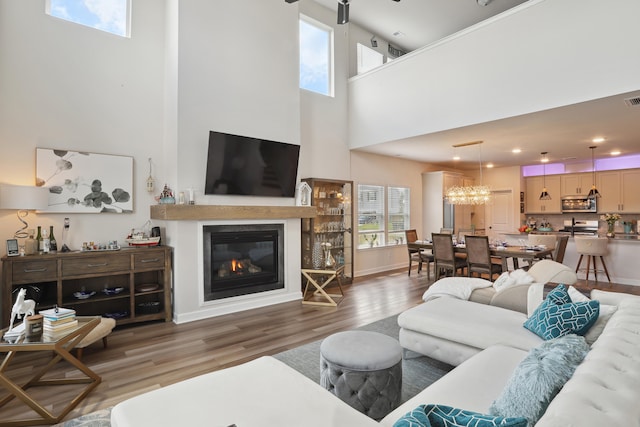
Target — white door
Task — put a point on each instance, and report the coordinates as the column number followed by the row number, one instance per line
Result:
column 500, row 214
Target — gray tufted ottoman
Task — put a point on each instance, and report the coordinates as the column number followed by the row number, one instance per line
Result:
column 364, row 369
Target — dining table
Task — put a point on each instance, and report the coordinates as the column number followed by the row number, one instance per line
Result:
column 504, row 252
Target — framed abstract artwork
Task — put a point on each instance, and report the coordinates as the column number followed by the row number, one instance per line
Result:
column 81, row 182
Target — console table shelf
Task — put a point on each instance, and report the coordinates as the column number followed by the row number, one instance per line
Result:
column 58, row 276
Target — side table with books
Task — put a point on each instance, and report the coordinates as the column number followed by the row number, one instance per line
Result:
column 60, row 341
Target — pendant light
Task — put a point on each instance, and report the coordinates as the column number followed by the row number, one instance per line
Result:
column 470, row 194
column 593, row 193
column 545, row 194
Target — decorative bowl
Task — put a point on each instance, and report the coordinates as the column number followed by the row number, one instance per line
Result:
column 112, row 291
column 83, row 294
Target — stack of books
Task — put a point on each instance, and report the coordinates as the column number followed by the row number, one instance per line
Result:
column 58, row 322
column 13, row 334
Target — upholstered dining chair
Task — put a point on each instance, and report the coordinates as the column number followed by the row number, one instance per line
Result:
column 592, row 247
column 444, row 255
column 420, row 256
column 561, row 247
column 479, row 257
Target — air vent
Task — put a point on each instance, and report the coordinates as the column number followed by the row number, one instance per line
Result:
column 633, row 102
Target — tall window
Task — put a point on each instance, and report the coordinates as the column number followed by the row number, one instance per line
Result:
column 399, row 209
column 107, row 15
column 382, row 220
column 316, row 56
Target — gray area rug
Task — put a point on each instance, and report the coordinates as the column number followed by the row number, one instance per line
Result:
column 418, row 372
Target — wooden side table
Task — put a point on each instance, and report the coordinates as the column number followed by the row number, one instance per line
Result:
column 61, row 348
column 314, row 277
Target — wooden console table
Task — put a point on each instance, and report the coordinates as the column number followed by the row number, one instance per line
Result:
column 137, row 282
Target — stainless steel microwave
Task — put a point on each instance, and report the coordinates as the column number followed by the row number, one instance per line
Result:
column 578, row 204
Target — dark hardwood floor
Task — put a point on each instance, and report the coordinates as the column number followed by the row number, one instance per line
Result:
column 146, row 357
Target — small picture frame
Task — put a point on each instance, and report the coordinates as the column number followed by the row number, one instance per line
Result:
column 521, row 208
column 12, row 247
column 522, row 197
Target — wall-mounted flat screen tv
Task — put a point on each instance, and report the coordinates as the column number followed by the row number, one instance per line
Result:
column 241, row 165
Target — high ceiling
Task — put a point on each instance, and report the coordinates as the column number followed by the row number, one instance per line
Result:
column 565, row 133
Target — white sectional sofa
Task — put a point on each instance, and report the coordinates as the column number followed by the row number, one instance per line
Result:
column 603, row 391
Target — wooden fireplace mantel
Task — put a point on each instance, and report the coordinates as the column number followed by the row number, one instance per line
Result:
column 212, row 212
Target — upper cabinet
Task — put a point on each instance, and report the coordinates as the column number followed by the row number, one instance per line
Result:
column 575, row 184
column 619, row 191
column 534, row 186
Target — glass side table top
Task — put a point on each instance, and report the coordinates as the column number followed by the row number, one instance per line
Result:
column 48, row 339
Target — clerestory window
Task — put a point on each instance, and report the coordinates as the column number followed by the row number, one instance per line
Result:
column 112, row 16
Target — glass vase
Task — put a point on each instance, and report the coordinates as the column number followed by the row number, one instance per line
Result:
column 316, row 255
column 329, row 260
column 610, row 229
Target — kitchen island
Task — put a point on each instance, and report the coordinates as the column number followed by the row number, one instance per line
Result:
column 622, row 260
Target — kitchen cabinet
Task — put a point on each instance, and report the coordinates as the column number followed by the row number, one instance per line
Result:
column 619, row 191
column 534, row 186
column 132, row 284
column 333, row 224
column 575, row 184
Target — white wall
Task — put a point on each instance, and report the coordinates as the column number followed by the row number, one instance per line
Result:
column 374, row 169
column 542, row 54
column 67, row 86
column 236, row 75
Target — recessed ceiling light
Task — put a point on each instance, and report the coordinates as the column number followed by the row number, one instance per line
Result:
column 399, row 34
column 456, row 157
column 516, row 151
column 615, row 153
column 489, row 165
column 597, row 139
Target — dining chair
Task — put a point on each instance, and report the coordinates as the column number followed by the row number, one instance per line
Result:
column 561, row 247
column 444, row 255
column 463, row 233
column 479, row 257
column 548, row 240
column 417, row 255
column 446, row 231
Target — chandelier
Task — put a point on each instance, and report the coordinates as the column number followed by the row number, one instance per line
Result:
column 469, row 194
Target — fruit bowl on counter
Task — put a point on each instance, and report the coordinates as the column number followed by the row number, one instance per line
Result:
column 545, row 229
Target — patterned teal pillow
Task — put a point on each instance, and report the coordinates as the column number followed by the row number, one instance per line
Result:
column 446, row 416
column 559, row 295
column 553, row 320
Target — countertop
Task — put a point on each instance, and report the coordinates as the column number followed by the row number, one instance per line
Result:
column 618, row 236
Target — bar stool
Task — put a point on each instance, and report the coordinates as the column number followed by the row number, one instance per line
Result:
column 592, row 247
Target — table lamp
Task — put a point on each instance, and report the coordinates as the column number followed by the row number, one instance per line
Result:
column 24, row 198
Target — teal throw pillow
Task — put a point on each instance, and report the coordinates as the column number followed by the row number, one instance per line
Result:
column 539, row 377
column 559, row 295
column 558, row 316
column 446, row 416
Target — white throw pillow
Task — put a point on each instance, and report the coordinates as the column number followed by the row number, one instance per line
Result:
column 522, row 277
column 606, row 311
column 502, row 281
column 510, row 278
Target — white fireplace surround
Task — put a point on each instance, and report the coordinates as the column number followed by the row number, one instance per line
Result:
column 188, row 270
column 183, row 230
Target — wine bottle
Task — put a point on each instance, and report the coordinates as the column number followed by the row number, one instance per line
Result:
column 45, row 242
column 39, row 240
column 53, row 244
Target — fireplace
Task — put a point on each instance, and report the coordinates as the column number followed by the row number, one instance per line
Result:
column 242, row 259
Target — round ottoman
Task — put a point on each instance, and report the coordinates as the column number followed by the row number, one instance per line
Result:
column 364, row 369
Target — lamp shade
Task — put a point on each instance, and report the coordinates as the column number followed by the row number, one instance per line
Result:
column 23, row 197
